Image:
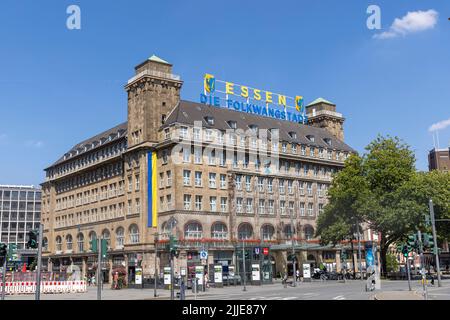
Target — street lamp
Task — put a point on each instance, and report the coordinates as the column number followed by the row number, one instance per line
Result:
column 293, row 251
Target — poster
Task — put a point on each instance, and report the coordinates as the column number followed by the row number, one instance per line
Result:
column 138, row 276
column 167, row 278
column 256, row 275
column 199, row 271
column 231, row 271
column 306, row 271
column 218, row 273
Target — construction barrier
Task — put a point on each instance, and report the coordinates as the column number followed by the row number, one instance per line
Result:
column 29, row 287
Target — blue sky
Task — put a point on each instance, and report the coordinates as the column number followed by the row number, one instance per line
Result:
column 60, row 86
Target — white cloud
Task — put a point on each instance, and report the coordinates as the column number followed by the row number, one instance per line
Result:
column 440, row 125
column 415, row 21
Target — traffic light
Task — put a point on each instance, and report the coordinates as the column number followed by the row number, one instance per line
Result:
column 33, row 239
column 412, row 241
column 428, row 241
column 405, row 250
column 3, row 249
column 247, row 254
column 104, row 248
column 173, row 246
column 93, row 244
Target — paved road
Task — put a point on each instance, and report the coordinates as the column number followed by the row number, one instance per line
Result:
column 330, row 290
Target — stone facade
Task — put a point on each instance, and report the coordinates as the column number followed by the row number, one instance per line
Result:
column 208, row 201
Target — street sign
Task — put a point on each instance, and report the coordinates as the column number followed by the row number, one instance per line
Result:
column 265, row 251
column 257, row 250
column 204, row 254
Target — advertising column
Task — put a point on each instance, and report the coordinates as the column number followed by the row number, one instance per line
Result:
column 167, row 278
column 256, row 274
column 218, row 282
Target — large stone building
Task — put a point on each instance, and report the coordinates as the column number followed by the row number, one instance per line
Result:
column 213, row 189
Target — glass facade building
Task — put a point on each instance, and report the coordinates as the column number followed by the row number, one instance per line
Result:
column 20, row 212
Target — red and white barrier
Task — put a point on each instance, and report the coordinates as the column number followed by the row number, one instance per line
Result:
column 29, row 287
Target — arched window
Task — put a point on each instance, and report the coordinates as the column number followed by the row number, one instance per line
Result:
column 69, row 242
column 267, row 232
column 120, row 236
column 80, row 242
column 193, row 230
column 245, row 231
column 309, row 232
column 219, row 230
column 167, row 227
column 134, row 234
column 107, row 236
column 58, row 243
column 288, row 231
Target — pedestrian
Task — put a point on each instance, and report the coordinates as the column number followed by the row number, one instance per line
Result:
column 116, row 280
column 297, row 275
column 206, row 279
column 89, row 280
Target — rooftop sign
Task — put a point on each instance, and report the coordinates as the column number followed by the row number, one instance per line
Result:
column 242, row 98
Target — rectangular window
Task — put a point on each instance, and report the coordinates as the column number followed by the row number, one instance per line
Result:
column 138, row 205
column 222, row 158
column 261, row 184
column 161, row 180
column 198, row 178
column 271, row 207
column 169, row 201
column 169, row 178
column 311, row 151
column 249, row 205
column 130, row 185
column 290, row 187
column 302, row 208
column 320, row 153
column 294, row 148
column 282, row 207
column 186, row 154
column 310, row 209
column 212, row 158
column 197, row 136
column 262, row 206
column 303, row 151
column 284, row 147
column 223, row 204
column 281, row 186
column 197, row 155
column 212, row 180
column 309, row 188
column 187, row 202
column 248, row 183
column 320, row 208
column 198, row 203
column 291, row 208
column 238, row 182
column 183, row 132
column 213, row 203
column 270, row 184
column 138, row 184
column 238, row 204
column 305, row 169
column 186, row 177
column 223, row 181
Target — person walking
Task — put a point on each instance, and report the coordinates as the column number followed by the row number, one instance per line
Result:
column 297, row 275
column 206, row 279
column 116, row 280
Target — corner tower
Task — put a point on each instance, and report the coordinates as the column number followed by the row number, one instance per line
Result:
column 152, row 93
column 322, row 113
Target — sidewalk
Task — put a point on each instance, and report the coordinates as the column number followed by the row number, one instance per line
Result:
column 398, row 295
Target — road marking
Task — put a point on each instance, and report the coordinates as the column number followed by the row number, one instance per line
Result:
column 339, row 298
column 289, row 298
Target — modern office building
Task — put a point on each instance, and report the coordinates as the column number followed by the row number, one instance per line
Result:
column 20, row 212
column 439, row 159
column 217, row 179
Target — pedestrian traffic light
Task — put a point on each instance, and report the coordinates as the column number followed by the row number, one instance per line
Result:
column 32, row 239
column 3, row 249
column 344, row 255
column 93, row 244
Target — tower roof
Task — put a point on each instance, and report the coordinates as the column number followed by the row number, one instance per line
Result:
column 320, row 100
column 157, row 59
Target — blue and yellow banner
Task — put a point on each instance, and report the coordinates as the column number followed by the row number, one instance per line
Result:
column 152, row 206
column 299, row 103
column 209, row 83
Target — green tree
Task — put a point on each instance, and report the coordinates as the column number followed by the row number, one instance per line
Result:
column 391, row 263
column 383, row 190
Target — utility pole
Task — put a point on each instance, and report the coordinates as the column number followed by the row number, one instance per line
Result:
column 99, row 269
column 39, row 263
column 359, row 253
column 172, row 296
column 293, row 253
column 4, row 276
column 156, row 258
column 408, row 270
column 243, row 259
column 422, row 268
column 436, row 249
